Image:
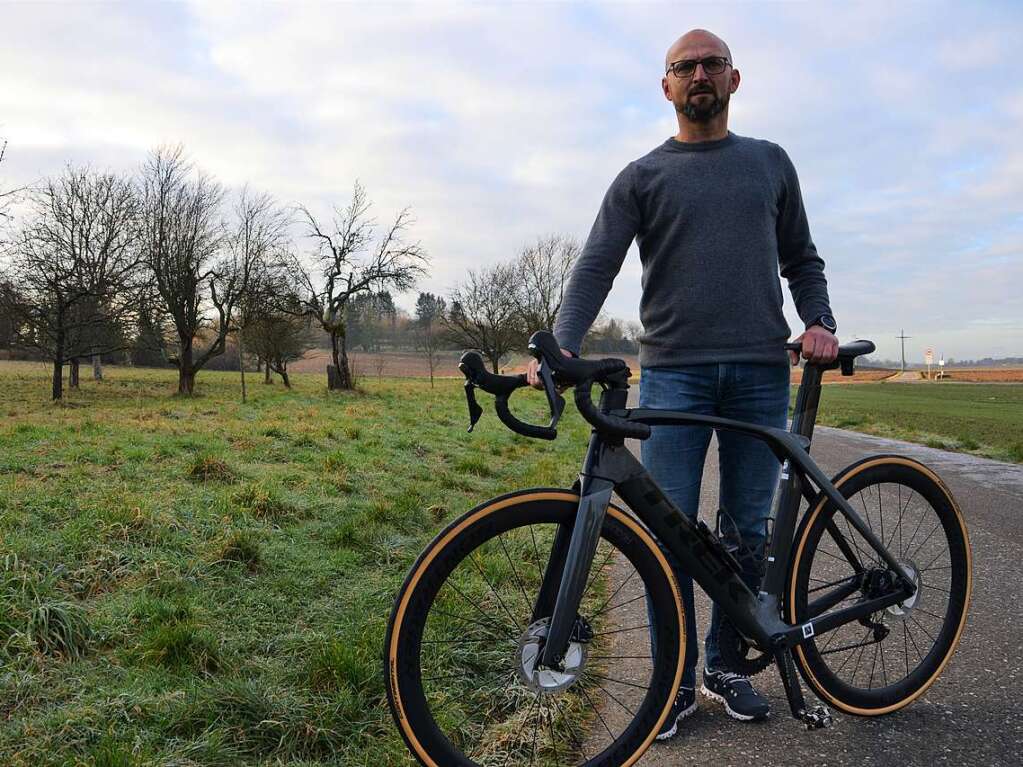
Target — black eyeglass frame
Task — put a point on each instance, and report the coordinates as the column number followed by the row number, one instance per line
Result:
column 710, row 70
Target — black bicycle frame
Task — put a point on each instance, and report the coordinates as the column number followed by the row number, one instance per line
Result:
column 610, row 467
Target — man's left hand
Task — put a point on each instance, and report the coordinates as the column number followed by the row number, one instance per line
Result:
column 819, row 345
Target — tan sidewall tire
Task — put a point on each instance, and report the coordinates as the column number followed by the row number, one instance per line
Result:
column 451, row 533
column 802, row 536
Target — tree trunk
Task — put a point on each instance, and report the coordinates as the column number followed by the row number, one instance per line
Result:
column 266, row 376
column 281, row 368
column 493, row 362
column 58, row 368
column 73, row 373
column 186, row 381
column 97, row 368
column 241, row 361
column 186, row 373
column 342, row 379
column 58, row 377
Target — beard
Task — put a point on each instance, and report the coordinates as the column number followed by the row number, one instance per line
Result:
column 704, row 111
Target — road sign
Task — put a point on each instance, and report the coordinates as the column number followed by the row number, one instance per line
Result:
column 929, row 356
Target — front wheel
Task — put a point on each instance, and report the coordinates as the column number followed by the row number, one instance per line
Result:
column 463, row 683
column 882, row 662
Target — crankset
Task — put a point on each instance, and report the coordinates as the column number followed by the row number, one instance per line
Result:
column 737, row 652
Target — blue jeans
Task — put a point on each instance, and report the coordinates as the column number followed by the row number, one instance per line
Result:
column 674, row 456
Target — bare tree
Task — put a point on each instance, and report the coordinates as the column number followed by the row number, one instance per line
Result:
column 200, row 267
column 347, row 263
column 543, row 269
column 8, row 299
column 76, row 269
column 6, row 195
column 429, row 331
column 276, row 329
column 485, row 312
column 257, row 248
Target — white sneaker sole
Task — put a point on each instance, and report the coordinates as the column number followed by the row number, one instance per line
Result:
column 704, row 690
column 674, row 728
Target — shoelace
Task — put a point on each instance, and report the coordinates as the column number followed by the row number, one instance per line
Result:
column 730, row 676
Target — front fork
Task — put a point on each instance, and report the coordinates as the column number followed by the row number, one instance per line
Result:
column 568, row 568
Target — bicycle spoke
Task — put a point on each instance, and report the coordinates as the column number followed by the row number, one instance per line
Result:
column 921, row 627
column 932, row 615
column 515, row 575
column 936, row 526
column 913, row 536
column 619, row 681
column 494, row 591
column 595, row 572
column 884, row 665
column 532, row 750
column 455, row 616
column 474, row 605
column 613, row 697
column 622, row 586
column 596, row 711
column 919, row 653
column 873, row 667
column 880, row 513
column 620, row 631
column 623, row 604
column 571, row 729
column 554, row 739
column 865, row 633
column 905, row 644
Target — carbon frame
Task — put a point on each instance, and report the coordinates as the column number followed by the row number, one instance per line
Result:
column 609, row 467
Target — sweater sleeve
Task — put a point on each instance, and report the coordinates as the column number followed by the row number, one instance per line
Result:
column 617, row 223
column 798, row 260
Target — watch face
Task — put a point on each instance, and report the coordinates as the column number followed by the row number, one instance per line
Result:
column 828, row 322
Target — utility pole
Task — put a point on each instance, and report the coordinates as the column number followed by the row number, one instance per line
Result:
column 903, row 336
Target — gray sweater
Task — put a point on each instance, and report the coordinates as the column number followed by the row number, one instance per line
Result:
column 715, row 222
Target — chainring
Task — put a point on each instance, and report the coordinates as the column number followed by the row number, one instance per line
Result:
column 738, row 654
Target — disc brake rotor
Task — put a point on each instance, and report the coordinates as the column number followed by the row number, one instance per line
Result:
column 905, row 608
column 542, row 679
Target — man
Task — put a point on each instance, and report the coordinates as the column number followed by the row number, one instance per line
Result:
column 716, row 215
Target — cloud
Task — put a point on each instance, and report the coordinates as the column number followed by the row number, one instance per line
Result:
column 497, row 123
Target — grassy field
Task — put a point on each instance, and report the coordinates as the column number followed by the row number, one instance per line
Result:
column 200, row 582
column 975, row 418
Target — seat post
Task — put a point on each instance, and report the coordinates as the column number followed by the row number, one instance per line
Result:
column 804, row 415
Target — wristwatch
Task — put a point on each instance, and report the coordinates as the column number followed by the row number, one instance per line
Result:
column 826, row 321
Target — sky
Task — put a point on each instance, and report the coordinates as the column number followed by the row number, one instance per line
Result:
column 499, row 123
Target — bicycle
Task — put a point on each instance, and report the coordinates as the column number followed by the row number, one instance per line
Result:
column 498, row 654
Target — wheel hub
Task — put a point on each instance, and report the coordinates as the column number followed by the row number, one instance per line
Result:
column 905, row 608
column 541, row 678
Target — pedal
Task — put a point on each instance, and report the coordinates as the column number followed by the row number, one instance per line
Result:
column 817, row 718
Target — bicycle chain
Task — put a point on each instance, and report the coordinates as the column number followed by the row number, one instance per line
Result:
column 738, row 654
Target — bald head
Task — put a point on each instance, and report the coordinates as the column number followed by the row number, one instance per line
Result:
column 697, row 44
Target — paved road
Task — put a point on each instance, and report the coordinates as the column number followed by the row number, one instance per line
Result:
column 972, row 714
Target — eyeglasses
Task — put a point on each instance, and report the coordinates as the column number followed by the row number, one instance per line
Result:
column 684, row 69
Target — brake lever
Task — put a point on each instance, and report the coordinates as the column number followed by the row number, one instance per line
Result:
column 475, row 411
column 554, row 399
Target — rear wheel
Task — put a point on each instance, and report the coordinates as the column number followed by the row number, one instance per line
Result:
column 461, row 649
column 882, row 662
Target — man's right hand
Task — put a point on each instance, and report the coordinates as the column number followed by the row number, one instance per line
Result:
column 532, row 376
